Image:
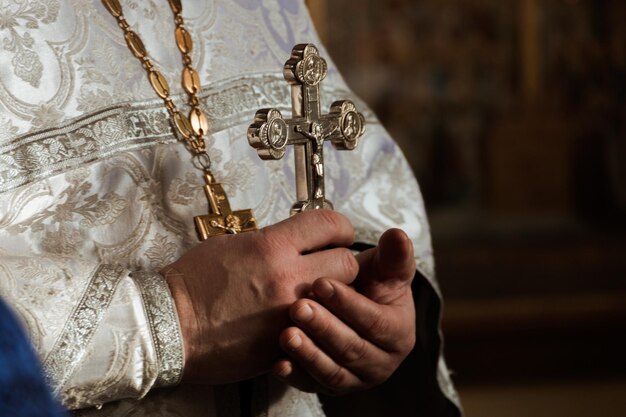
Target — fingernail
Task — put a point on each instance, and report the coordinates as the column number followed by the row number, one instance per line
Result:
column 294, row 342
column 304, row 313
column 324, row 289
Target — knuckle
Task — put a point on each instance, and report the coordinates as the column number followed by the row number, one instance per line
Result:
column 323, row 325
column 379, row 326
column 354, row 351
column 275, row 265
column 350, row 264
column 334, row 220
column 311, row 356
column 335, row 378
column 272, row 242
column 329, row 217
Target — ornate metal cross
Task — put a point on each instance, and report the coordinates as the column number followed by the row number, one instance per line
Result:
column 221, row 219
column 308, row 129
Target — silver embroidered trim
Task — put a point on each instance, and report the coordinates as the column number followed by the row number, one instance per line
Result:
column 166, row 334
column 129, row 126
column 71, row 345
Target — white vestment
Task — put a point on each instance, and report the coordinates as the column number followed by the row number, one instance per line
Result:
column 97, row 195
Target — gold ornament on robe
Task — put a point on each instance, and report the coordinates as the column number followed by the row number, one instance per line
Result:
column 221, row 219
column 192, row 129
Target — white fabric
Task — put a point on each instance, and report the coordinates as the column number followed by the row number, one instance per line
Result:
column 94, row 186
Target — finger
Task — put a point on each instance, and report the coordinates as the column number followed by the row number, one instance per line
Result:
column 311, row 230
column 386, row 270
column 337, row 263
column 292, row 374
column 396, row 257
column 377, row 323
column 316, row 363
column 340, row 342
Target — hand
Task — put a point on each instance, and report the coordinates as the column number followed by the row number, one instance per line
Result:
column 232, row 292
column 348, row 340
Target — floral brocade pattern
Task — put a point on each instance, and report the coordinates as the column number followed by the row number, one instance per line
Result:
column 97, row 194
column 16, row 19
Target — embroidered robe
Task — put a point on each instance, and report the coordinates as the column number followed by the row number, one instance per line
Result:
column 96, row 194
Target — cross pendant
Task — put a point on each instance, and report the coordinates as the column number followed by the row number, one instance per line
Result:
column 221, row 219
column 308, row 129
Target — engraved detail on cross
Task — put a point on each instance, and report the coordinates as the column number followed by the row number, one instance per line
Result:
column 308, row 129
column 221, row 219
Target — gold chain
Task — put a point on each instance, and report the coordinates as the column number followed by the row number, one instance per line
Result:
column 194, row 127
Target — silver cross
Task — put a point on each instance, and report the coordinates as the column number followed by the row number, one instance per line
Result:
column 308, row 129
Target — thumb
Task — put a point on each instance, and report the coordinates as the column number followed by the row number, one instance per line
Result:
column 388, row 269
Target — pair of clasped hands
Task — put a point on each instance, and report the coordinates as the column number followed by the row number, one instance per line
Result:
column 293, row 299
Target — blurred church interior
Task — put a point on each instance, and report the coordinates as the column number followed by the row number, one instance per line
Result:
column 513, row 116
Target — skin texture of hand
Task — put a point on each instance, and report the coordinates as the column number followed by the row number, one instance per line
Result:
column 348, row 339
column 233, row 292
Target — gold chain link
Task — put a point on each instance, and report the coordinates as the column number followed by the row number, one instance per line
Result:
column 194, row 127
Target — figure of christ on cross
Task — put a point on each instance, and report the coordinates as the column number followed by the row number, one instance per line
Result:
column 308, row 129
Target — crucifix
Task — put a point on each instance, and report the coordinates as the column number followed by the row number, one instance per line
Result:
column 221, row 219
column 308, row 129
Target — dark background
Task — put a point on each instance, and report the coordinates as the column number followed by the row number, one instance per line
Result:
column 512, row 114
